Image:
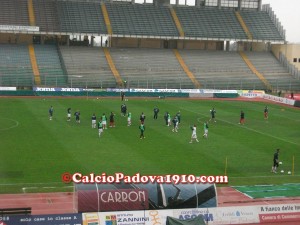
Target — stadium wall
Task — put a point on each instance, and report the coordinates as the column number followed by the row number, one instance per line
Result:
column 127, row 42
column 291, row 52
column 16, row 38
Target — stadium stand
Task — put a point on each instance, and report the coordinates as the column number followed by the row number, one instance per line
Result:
column 81, row 17
column 49, row 65
column 273, row 71
column 220, row 70
column 144, row 68
column 87, row 67
column 150, row 68
column 46, row 15
column 15, row 66
column 14, row 13
column 210, row 23
column 260, row 25
column 146, row 19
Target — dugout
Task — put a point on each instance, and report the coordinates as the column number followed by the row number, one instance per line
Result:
column 127, row 197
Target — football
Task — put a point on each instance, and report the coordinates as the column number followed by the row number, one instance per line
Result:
column 282, row 171
column 280, row 163
column 289, row 173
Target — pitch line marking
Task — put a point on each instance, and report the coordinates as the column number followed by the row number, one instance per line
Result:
column 256, row 131
column 11, row 127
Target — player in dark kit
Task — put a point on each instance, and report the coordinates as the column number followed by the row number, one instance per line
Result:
column 122, row 95
column 77, row 116
column 213, row 115
column 123, row 109
column 266, row 113
column 51, row 113
column 178, row 115
column 94, row 121
column 112, row 120
column 242, row 118
column 275, row 161
column 142, row 118
column 156, row 111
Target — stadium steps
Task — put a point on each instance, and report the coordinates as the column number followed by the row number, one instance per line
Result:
column 260, row 25
column 106, row 18
column 243, row 24
column 50, row 66
column 31, row 13
column 177, row 22
column 46, row 15
column 35, row 69
column 14, row 12
column 186, row 69
column 255, row 71
column 113, row 67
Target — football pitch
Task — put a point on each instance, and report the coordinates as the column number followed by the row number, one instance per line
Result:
column 36, row 151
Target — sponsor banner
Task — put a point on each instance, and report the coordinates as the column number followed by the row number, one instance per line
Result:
column 19, row 28
column 57, row 89
column 221, row 215
column 207, row 91
column 201, row 91
column 279, row 99
column 146, row 217
column 8, row 88
column 112, row 200
column 212, row 216
column 279, row 213
column 55, row 219
column 117, row 90
column 279, row 217
column 251, row 93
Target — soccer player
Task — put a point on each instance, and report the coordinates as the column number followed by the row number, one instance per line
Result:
column 213, row 115
column 94, row 121
column 69, row 114
column 142, row 118
column 122, row 95
column 266, row 113
column 51, row 112
column 123, row 109
column 112, row 120
column 166, row 117
column 142, row 129
column 194, row 134
column 104, row 119
column 275, row 161
column 242, row 118
column 178, row 116
column 129, row 119
column 100, row 127
column 156, row 111
column 205, row 135
column 169, row 119
column 175, row 124
column 77, row 116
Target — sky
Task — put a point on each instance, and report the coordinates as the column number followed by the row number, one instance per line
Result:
column 288, row 13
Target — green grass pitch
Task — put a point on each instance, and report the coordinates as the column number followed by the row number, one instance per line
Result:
column 36, row 150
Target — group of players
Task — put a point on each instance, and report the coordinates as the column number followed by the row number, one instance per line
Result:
column 102, row 123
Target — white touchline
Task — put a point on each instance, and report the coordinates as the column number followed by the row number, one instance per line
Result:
column 256, row 131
